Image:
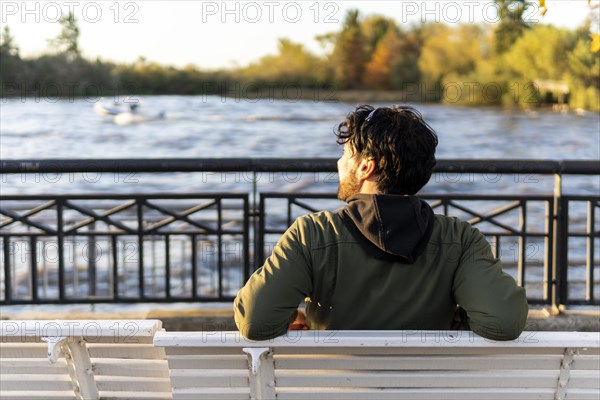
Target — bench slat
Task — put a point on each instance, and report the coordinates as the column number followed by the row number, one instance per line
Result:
column 209, row 362
column 209, row 378
column 24, row 350
column 196, row 351
column 34, row 395
column 583, row 394
column 585, row 380
column 32, row 366
column 129, row 367
column 586, row 362
column 126, row 351
column 213, row 394
column 132, row 384
column 322, row 349
column 409, row 351
column 108, row 395
column 416, row 394
column 427, row 362
column 34, row 381
column 445, row 379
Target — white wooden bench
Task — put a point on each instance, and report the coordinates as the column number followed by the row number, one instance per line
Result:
column 383, row 365
column 88, row 360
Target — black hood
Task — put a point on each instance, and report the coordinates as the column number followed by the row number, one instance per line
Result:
column 392, row 227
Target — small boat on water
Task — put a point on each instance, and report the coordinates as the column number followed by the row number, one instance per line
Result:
column 125, row 113
column 104, row 107
column 136, row 117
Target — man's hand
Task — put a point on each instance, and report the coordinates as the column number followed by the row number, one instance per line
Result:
column 458, row 324
column 299, row 324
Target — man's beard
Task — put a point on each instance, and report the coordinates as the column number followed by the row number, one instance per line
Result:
column 348, row 187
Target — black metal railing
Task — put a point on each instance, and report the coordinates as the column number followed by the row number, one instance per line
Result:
column 70, row 249
column 203, row 246
column 525, row 250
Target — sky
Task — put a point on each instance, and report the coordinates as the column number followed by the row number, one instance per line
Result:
column 223, row 34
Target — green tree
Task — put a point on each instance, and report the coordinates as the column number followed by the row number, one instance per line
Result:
column 512, row 25
column 11, row 66
column 451, row 50
column 593, row 20
column 584, row 65
column 67, row 41
column 293, row 63
column 349, row 55
column 540, row 53
column 8, row 46
column 584, row 75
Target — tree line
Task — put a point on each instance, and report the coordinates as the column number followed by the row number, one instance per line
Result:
column 512, row 62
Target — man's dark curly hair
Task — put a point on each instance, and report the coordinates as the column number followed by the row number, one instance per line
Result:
column 398, row 139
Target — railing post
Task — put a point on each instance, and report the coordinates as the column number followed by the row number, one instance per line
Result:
column 61, row 248
column 140, row 240
column 33, row 264
column 246, row 239
column 260, row 242
column 91, row 255
column 591, row 231
column 549, row 253
column 257, row 223
column 7, row 273
column 560, row 246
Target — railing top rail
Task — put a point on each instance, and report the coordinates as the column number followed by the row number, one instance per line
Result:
column 507, row 166
column 424, row 196
column 134, row 196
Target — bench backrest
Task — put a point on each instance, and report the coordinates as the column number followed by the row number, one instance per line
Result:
column 97, row 359
column 383, row 365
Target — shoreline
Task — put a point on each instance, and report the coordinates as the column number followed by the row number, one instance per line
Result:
column 293, row 93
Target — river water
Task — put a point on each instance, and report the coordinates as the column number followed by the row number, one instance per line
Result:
column 212, row 126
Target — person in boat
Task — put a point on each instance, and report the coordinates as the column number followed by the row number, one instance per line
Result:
column 133, row 108
column 384, row 261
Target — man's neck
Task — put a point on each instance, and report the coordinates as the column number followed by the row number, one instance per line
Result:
column 369, row 187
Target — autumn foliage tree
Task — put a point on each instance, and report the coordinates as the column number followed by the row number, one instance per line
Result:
column 379, row 70
column 349, row 56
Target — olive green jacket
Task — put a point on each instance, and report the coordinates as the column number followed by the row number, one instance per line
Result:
column 323, row 259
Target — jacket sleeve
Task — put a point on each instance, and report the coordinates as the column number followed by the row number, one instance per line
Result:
column 495, row 305
column 268, row 302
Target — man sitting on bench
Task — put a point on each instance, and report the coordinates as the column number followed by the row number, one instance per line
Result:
column 385, row 261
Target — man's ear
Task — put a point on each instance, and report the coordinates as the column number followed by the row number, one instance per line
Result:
column 366, row 169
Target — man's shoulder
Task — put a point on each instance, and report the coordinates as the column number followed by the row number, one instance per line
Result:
column 446, row 220
column 453, row 228
column 320, row 219
column 322, row 225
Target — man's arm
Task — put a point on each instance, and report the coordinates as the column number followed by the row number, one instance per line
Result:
column 267, row 304
column 495, row 305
